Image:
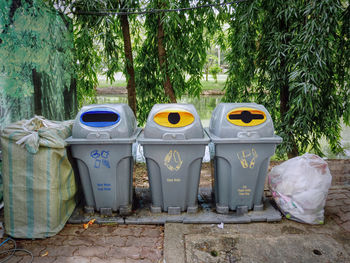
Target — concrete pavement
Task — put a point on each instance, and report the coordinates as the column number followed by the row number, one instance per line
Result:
column 285, row 241
column 98, row 243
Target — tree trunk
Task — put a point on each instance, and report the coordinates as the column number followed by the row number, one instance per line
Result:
column 37, row 92
column 70, row 100
column 206, row 72
column 168, row 88
column 129, row 63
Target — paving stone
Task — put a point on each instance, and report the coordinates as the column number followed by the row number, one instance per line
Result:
column 332, row 202
column 151, row 232
column 346, row 226
column 137, row 230
column 14, row 259
column 123, row 231
column 117, row 241
column 131, row 230
column 345, row 208
column 94, row 231
column 84, row 241
column 66, row 251
column 337, row 219
column 340, row 196
column 152, row 254
column 74, row 259
column 125, row 252
column 107, row 260
column 72, row 230
column 57, row 240
column 110, row 228
column 346, row 201
column 35, row 249
column 332, row 210
column 141, row 241
column 46, row 259
column 20, row 259
column 94, row 251
column 128, row 260
column 344, row 216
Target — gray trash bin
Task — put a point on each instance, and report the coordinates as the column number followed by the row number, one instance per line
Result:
column 243, row 138
column 174, row 145
column 101, row 143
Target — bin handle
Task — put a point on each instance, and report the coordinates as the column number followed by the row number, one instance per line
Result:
column 174, row 136
column 248, row 135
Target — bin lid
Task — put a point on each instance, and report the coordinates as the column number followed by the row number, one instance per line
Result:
column 241, row 120
column 104, row 121
column 173, row 122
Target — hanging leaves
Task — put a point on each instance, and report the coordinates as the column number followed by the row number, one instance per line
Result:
column 180, row 65
column 284, row 54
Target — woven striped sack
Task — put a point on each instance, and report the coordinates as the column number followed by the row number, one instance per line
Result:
column 39, row 183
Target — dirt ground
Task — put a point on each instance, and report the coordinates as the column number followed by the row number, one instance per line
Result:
column 141, row 178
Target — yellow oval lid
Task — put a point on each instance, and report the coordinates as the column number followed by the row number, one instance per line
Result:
column 173, row 118
column 245, row 116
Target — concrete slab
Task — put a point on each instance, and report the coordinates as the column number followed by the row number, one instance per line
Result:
column 206, row 214
column 284, row 241
column 253, row 248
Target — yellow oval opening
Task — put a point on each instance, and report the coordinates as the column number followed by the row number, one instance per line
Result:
column 174, row 118
column 246, row 116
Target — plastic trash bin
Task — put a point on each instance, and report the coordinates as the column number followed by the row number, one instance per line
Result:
column 243, row 138
column 174, row 145
column 101, row 143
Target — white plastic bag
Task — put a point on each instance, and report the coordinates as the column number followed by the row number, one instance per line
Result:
column 300, row 186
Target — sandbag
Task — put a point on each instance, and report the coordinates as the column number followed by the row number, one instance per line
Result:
column 39, row 183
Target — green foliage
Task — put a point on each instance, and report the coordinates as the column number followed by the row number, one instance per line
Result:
column 95, row 41
column 116, row 83
column 186, row 42
column 98, row 43
column 214, row 71
column 284, row 54
column 33, row 37
column 212, row 85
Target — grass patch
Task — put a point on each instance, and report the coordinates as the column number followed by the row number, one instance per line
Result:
column 105, row 84
column 207, row 85
column 212, row 85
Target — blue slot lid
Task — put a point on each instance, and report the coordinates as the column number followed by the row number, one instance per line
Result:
column 100, row 117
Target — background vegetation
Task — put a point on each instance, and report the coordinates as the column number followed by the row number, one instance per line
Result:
column 292, row 56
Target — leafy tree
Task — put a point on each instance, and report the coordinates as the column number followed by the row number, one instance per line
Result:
column 171, row 59
column 217, row 40
column 285, row 55
column 102, row 39
column 214, row 71
column 129, row 60
column 36, row 54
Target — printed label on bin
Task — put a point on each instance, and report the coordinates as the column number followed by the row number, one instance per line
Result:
column 99, row 118
column 246, row 116
column 247, row 158
column 172, row 160
column 173, row 118
column 173, row 180
column 104, row 187
column 100, row 158
column 244, row 190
